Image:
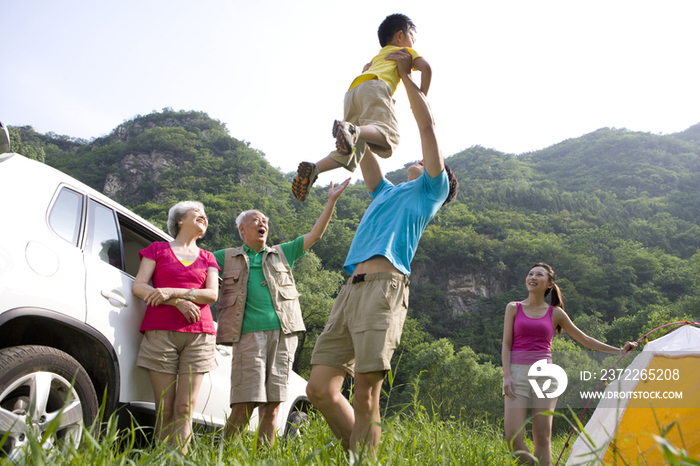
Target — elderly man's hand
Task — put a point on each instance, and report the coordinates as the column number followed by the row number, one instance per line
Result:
column 404, row 61
column 335, row 192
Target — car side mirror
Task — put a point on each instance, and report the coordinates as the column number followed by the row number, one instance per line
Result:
column 4, row 139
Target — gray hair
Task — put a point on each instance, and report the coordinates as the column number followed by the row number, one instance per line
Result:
column 178, row 211
column 242, row 217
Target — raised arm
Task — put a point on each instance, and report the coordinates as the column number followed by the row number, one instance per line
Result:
column 432, row 156
column 371, row 171
column 426, row 73
column 321, row 224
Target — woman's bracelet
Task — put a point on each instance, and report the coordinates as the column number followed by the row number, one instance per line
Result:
column 192, row 297
column 177, row 300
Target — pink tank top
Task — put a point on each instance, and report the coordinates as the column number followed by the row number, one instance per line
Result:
column 532, row 338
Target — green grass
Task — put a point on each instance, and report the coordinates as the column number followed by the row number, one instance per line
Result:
column 408, row 439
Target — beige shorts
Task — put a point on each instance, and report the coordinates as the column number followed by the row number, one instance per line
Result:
column 177, row 352
column 370, row 103
column 261, row 365
column 518, row 372
column 365, row 325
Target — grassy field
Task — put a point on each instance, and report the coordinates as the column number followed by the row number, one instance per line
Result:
column 412, row 439
column 408, row 439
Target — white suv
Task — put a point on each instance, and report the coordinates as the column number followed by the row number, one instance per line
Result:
column 68, row 320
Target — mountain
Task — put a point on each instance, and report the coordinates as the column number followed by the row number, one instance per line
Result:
column 615, row 212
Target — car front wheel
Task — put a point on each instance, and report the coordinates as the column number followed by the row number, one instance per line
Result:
column 42, row 389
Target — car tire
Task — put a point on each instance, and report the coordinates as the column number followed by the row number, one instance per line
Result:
column 295, row 423
column 42, row 388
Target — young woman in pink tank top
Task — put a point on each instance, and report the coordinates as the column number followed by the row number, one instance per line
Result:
column 528, row 329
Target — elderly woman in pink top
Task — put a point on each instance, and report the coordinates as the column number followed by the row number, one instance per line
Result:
column 528, row 329
column 179, row 342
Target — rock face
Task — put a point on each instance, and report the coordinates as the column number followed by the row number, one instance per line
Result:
column 136, row 169
column 461, row 289
column 464, row 289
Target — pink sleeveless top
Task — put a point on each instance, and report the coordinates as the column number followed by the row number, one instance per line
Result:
column 532, row 338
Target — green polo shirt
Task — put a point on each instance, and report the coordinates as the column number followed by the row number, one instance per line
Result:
column 259, row 309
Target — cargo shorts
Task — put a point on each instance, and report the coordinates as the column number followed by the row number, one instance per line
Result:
column 370, row 103
column 365, row 324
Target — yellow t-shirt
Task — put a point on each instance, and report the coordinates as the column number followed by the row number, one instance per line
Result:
column 382, row 69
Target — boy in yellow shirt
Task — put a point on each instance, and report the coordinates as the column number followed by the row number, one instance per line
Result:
column 369, row 107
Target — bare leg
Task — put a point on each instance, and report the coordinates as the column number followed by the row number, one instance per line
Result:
column 164, row 387
column 327, row 164
column 323, row 390
column 268, row 413
column 238, row 419
column 365, row 402
column 372, row 135
column 542, row 429
column 515, row 416
column 188, row 386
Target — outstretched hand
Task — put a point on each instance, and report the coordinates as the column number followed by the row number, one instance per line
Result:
column 629, row 346
column 404, row 61
column 335, row 191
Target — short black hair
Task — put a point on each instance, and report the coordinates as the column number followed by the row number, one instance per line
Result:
column 454, row 185
column 393, row 24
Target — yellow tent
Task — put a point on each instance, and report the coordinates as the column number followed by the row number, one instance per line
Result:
column 631, row 412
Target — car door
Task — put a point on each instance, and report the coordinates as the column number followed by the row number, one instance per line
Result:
column 111, row 308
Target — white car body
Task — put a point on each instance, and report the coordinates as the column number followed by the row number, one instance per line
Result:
column 58, row 289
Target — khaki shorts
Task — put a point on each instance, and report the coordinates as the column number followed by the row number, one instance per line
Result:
column 370, row 103
column 261, row 365
column 177, row 352
column 365, row 325
column 518, row 372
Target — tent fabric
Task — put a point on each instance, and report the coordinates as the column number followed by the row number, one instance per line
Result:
column 621, row 430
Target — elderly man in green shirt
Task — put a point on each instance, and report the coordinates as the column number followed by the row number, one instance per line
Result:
column 259, row 315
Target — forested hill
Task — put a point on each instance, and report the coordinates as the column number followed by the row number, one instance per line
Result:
column 616, row 212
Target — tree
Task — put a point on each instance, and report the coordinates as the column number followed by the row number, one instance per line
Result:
column 28, row 150
column 318, row 288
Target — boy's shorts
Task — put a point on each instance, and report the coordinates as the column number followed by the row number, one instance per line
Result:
column 177, row 352
column 365, row 324
column 370, row 103
column 518, row 372
column 260, row 366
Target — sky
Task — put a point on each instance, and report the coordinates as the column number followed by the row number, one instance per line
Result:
column 512, row 75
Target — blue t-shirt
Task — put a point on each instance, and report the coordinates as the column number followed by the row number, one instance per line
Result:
column 396, row 219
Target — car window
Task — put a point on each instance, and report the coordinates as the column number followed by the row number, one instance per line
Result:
column 103, row 234
column 133, row 243
column 65, row 215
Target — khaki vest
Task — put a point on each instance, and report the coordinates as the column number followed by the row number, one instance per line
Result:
column 234, row 289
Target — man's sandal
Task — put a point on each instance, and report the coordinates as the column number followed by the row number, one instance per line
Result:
column 345, row 135
column 307, row 173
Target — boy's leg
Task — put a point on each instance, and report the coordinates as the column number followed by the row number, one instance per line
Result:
column 347, row 135
column 307, row 173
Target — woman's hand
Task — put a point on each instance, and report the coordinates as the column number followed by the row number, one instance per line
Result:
column 157, row 296
column 189, row 309
column 629, row 346
column 509, row 387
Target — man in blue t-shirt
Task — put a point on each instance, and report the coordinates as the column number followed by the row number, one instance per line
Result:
column 366, row 321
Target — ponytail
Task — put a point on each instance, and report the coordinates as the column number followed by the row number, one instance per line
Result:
column 556, row 298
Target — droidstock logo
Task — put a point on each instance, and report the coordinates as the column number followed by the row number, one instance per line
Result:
column 540, row 370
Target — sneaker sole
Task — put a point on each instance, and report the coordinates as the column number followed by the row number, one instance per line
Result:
column 302, row 182
column 341, row 137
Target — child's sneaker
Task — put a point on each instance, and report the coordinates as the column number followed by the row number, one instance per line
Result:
column 345, row 136
column 307, row 173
